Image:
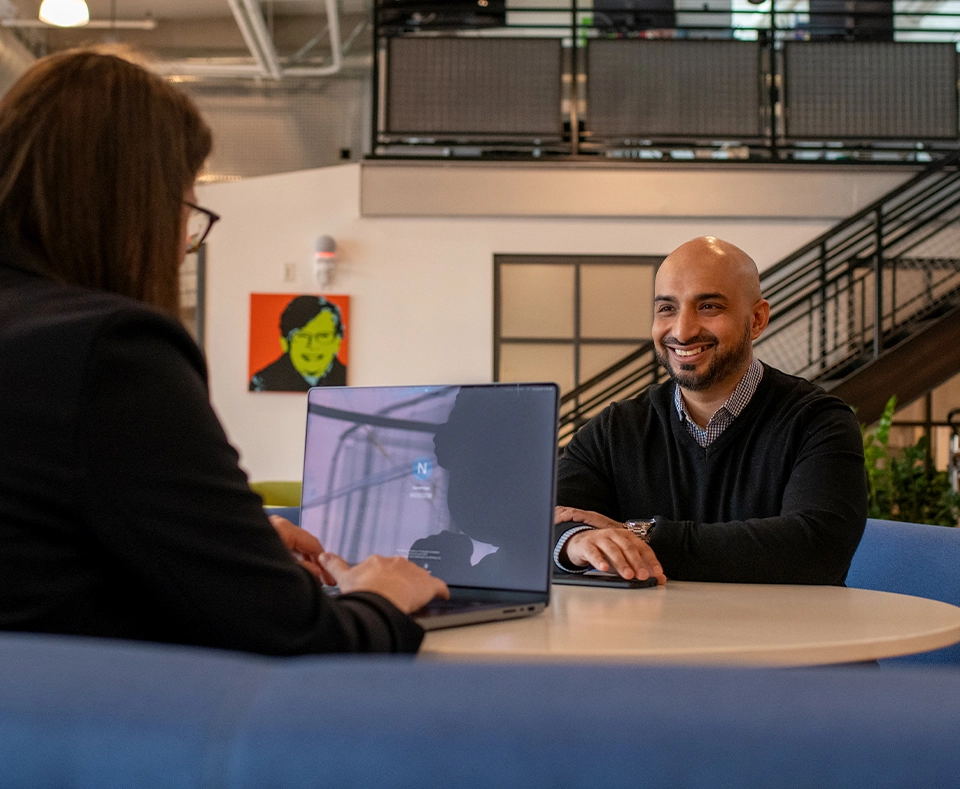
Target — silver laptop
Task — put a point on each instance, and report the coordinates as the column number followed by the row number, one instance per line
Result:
column 458, row 479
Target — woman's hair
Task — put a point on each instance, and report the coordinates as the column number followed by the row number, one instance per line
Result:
column 96, row 154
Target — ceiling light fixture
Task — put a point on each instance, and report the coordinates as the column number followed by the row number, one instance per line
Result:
column 64, row 13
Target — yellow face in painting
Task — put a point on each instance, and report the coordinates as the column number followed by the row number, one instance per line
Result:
column 313, row 347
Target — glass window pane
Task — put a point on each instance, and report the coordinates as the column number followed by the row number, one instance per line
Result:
column 616, row 301
column 596, row 358
column 914, row 412
column 536, row 301
column 904, row 436
column 941, row 447
column 946, row 397
column 537, row 363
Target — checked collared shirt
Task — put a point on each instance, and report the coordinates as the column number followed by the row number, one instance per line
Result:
column 725, row 414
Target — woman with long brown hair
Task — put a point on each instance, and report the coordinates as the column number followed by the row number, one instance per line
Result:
column 123, row 510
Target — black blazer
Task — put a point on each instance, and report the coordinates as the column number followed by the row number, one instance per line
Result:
column 123, row 510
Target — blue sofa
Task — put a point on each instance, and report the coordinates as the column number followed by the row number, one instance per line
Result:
column 80, row 712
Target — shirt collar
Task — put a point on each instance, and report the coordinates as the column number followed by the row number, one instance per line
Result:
column 739, row 399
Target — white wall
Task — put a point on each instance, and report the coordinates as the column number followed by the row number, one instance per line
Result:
column 421, row 287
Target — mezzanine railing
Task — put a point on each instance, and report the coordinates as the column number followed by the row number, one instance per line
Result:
column 669, row 80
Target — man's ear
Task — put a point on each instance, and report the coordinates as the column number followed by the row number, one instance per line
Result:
column 761, row 317
column 284, row 345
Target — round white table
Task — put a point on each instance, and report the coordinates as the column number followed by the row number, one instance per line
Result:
column 686, row 622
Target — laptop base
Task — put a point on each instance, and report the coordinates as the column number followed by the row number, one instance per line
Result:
column 436, row 617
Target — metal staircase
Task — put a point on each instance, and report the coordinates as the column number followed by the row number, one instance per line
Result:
column 898, row 258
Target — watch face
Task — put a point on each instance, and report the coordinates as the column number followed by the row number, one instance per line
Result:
column 641, row 528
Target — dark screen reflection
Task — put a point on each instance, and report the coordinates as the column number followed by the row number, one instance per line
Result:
column 499, row 464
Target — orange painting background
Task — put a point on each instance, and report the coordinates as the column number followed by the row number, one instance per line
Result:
column 265, row 311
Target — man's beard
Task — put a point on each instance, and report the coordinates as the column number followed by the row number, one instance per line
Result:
column 721, row 367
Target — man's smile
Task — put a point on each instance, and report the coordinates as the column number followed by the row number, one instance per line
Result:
column 687, row 353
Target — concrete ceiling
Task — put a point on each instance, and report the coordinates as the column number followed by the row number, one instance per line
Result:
column 198, row 28
column 186, row 9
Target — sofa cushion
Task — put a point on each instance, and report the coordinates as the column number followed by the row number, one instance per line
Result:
column 87, row 713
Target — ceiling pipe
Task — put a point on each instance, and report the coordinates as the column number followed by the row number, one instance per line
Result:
column 333, row 20
column 96, row 24
column 207, row 70
column 253, row 28
column 258, row 28
column 240, row 17
column 301, row 53
column 224, row 68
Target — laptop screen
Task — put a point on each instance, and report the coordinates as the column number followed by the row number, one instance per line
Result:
column 459, row 479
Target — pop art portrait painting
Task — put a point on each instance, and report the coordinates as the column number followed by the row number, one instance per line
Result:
column 297, row 341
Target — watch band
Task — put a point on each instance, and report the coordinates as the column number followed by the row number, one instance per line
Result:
column 643, row 528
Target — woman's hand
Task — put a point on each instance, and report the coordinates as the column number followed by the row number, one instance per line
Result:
column 403, row 583
column 305, row 548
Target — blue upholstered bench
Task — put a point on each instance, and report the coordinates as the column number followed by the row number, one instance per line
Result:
column 914, row 559
column 78, row 712
column 87, row 713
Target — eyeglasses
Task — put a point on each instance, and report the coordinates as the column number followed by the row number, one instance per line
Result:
column 198, row 225
column 320, row 338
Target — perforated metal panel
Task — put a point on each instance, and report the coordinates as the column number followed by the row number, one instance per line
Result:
column 470, row 86
column 658, row 89
column 874, row 91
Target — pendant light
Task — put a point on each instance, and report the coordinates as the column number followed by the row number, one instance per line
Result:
column 64, row 13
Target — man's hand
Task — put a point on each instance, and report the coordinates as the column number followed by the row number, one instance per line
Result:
column 404, row 584
column 608, row 545
column 305, row 548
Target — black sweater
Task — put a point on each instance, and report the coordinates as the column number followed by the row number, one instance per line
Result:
column 779, row 497
column 123, row 510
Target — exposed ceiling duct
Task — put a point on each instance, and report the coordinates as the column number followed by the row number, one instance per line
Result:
column 248, row 15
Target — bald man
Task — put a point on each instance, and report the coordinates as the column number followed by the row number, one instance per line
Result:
column 732, row 470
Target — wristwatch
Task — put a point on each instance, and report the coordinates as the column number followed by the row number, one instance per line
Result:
column 642, row 528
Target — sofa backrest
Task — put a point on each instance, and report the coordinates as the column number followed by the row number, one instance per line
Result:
column 915, row 559
column 78, row 712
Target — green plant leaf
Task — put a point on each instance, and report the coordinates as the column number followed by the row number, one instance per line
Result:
column 904, row 485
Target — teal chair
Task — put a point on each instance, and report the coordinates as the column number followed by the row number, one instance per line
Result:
column 914, row 559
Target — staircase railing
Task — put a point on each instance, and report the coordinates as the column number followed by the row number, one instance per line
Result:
column 898, row 258
column 633, row 373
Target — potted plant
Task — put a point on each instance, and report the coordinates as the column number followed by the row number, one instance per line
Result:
column 904, row 485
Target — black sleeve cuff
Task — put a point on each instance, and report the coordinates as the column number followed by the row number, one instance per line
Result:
column 383, row 626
